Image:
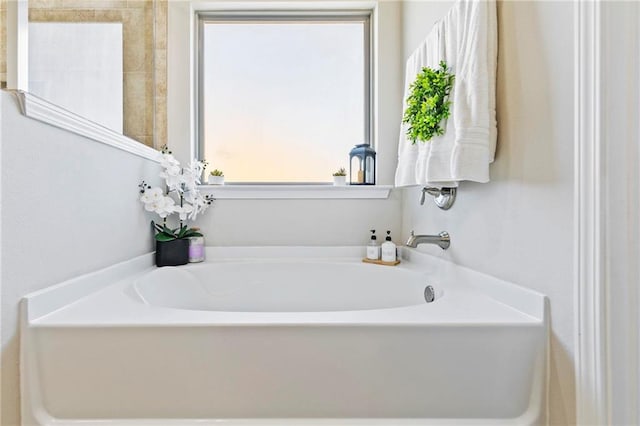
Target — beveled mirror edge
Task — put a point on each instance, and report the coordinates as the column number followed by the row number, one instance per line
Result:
column 39, row 109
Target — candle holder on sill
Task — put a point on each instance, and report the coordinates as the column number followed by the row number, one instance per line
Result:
column 362, row 165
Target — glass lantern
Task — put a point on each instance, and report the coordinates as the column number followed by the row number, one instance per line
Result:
column 362, row 165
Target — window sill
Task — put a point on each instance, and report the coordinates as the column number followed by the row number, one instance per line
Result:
column 292, row 192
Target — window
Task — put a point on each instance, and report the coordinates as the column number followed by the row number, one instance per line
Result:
column 282, row 98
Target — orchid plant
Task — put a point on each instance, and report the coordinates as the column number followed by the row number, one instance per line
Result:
column 181, row 196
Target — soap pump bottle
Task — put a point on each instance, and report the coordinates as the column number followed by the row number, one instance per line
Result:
column 389, row 251
column 373, row 248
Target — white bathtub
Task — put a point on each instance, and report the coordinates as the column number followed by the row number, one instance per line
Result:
column 266, row 336
column 281, row 286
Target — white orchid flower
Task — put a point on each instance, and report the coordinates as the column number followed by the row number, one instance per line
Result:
column 153, row 199
column 184, row 182
column 173, row 170
column 175, row 183
column 152, row 206
column 151, row 195
column 173, row 178
column 169, row 161
column 196, row 168
column 192, row 175
column 165, row 207
column 184, row 211
column 190, row 196
column 200, row 204
column 172, row 173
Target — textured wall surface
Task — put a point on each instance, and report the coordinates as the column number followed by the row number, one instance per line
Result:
column 160, row 73
column 69, row 206
column 3, row 43
column 519, row 227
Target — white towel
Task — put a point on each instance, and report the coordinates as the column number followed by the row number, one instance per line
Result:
column 466, row 39
column 428, row 54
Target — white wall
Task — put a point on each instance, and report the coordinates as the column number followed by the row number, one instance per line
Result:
column 295, row 222
column 299, row 222
column 519, row 227
column 621, row 176
column 69, row 206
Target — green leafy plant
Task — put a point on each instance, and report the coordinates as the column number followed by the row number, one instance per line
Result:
column 428, row 104
column 164, row 233
column 341, row 172
column 216, row 172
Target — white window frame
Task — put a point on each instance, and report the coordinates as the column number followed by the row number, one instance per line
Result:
column 181, row 75
column 356, row 16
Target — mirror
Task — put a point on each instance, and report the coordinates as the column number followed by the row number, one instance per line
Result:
column 66, row 68
column 105, row 61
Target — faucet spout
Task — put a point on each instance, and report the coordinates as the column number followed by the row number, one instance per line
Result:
column 443, row 240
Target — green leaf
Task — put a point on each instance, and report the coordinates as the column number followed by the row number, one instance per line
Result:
column 163, row 236
column 183, row 231
column 427, row 103
column 169, row 231
column 192, row 233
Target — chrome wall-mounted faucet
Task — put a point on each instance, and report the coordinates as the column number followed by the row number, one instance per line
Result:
column 443, row 240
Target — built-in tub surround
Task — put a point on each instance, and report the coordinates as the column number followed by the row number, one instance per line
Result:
column 286, row 336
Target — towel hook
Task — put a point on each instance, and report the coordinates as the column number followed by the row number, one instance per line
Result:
column 443, row 197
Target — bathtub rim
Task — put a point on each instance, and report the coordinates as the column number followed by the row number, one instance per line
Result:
column 40, row 303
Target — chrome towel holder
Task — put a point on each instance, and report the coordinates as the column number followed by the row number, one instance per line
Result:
column 443, row 197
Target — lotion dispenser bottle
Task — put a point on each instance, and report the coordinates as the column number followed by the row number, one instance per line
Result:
column 389, row 252
column 373, row 248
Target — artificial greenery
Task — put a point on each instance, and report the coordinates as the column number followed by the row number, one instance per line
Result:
column 217, row 172
column 428, row 104
column 341, row 172
column 165, row 233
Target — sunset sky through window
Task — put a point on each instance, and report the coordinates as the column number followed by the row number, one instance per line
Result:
column 283, row 101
